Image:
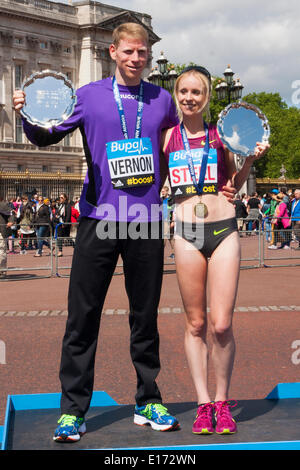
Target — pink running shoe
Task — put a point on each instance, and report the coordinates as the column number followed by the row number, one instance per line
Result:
column 203, row 423
column 225, row 422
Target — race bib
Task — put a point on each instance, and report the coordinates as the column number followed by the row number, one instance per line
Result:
column 180, row 177
column 130, row 162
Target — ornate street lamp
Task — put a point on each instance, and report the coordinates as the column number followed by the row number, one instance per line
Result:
column 162, row 76
column 162, row 64
column 229, row 88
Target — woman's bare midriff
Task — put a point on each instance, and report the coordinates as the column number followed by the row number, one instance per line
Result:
column 218, row 206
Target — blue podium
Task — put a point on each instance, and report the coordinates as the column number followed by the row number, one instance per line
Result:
column 266, row 424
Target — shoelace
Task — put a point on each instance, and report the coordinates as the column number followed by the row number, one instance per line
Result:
column 223, row 409
column 204, row 410
column 160, row 409
column 67, row 420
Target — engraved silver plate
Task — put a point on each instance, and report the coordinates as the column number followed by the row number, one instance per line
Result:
column 50, row 99
column 241, row 126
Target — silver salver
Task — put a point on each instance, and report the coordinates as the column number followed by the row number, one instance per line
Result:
column 240, row 126
column 50, row 98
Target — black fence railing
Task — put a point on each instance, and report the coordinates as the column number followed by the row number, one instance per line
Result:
column 49, row 253
column 50, row 185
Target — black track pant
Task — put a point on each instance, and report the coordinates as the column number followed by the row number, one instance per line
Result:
column 93, row 265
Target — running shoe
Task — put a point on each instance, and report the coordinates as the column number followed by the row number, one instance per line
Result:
column 70, row 429
column 156, row 415
column 203, row 423
column 225, row 423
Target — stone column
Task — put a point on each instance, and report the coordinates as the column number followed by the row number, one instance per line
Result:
column 86, row 66
column 251, row 183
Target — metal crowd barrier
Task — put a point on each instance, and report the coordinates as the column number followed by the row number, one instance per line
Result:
column 64, row 243
column 57, row 253
column 267, row 234
column 63, row 259
column 279, row 256
column 250, row 258
column 24, row 240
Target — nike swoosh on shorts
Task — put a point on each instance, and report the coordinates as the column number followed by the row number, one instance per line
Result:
column 220, row 231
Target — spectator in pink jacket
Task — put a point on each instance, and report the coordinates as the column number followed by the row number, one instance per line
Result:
column 282, row 223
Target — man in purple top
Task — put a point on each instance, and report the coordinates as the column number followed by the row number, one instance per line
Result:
column 120, row 119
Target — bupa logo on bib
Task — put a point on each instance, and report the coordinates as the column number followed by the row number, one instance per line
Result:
column 180, row 177
column 130, row 162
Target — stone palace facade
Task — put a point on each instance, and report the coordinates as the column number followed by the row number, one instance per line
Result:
column 71, row 38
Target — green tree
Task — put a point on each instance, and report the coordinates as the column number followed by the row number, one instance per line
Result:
column 285, row 135
column 284, row 124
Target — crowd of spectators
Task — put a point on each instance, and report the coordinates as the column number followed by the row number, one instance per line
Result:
column 36, row 218
column 278, row 212
column 28, row 222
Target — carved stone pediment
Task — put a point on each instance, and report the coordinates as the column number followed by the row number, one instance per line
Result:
column 112, row 22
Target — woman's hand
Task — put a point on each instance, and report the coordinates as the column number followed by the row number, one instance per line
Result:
column 239, row 178
column 259, row 151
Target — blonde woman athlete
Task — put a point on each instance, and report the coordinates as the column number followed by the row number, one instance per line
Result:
column 207, row 246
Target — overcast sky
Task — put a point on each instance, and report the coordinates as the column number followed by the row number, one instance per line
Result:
column 260, row 39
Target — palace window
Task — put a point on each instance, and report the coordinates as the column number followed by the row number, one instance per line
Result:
column 18, row 75
column 19, row 130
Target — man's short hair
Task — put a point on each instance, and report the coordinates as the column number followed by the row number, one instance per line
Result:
column 134, row 30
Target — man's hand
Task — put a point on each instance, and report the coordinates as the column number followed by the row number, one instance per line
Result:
column 18, row 100
column 229, row 190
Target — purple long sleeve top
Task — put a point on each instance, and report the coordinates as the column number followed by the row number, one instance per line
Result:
column 96, row 115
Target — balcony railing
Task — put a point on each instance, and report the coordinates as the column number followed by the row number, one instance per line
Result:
column 14, row 146
column 33, row 175
column 45, row 5
column 16, row 183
